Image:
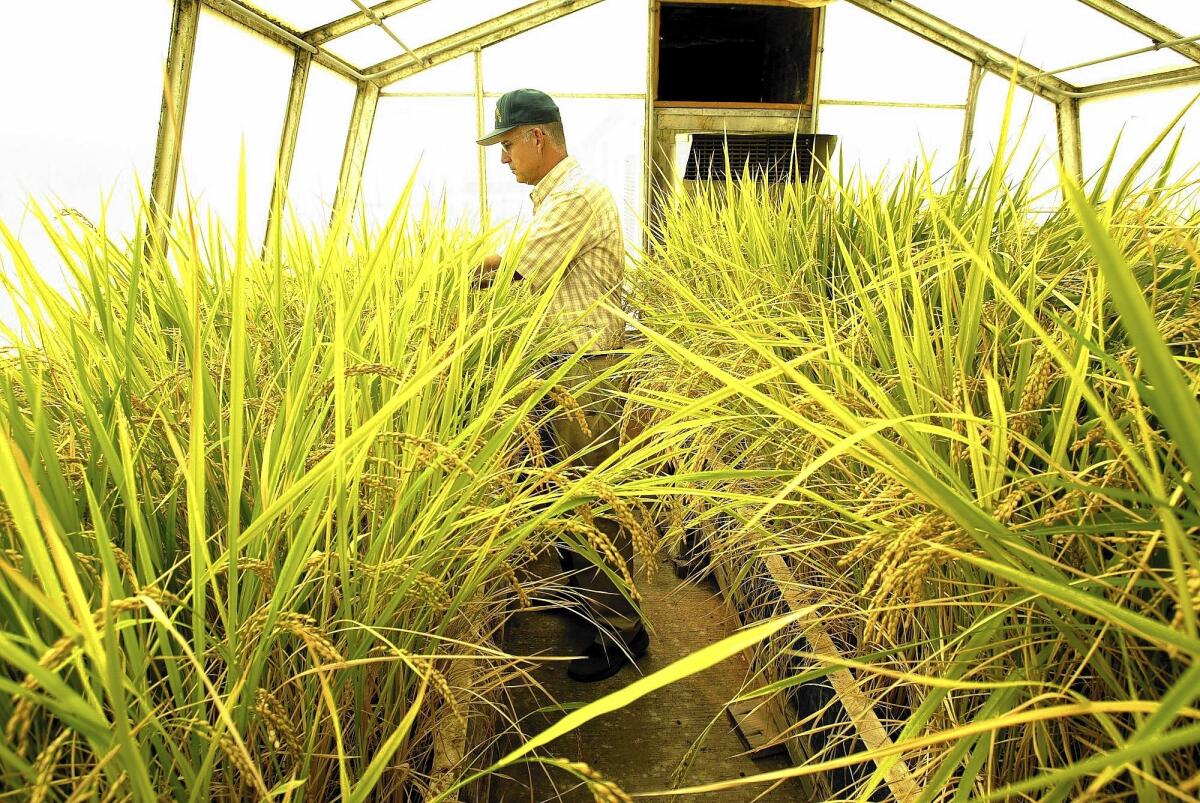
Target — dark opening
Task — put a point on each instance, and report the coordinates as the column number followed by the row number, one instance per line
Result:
column 734, row 53
column 769, row 157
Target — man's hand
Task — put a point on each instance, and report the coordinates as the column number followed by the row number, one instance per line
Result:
column 486, row 274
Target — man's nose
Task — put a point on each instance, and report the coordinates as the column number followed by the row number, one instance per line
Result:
column 504, row 158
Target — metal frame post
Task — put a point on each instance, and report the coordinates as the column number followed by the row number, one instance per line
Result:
column 358, row 137
column 1070, row 146
column 649, row 128
column 818, row 64
column 177, row 80
column 968, row 134
column 480, row 123
column 287, row 143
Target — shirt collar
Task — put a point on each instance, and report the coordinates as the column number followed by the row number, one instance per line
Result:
column 552, row 179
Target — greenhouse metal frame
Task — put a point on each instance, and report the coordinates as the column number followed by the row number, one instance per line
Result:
column 373, row 79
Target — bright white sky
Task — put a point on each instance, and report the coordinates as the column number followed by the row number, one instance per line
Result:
column 82, row 88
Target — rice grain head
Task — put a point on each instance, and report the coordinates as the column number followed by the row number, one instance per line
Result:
column 604, row 547
column 44, row 768
column 643, row 544
column 278, row 723
column 571, row 408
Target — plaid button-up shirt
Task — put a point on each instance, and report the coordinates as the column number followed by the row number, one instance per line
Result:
column 576, row 223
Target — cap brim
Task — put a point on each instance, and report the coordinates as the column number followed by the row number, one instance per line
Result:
column 494, row 137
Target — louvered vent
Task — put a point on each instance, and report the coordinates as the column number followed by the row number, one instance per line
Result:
column 773, row 157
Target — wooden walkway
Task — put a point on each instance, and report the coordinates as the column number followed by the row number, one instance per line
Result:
column 643, row 746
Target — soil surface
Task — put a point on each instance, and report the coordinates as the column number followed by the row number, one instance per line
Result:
column 642, row 745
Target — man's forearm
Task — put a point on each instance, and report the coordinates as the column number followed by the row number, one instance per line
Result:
column 487, row 271
column 489, row 268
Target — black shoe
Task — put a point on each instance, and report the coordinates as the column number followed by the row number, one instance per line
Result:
column 603, row 659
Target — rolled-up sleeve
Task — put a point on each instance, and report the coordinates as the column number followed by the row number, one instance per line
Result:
column 554, row 239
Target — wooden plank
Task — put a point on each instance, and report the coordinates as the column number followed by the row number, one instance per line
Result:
column 756, row 729
column 781, row 3
column 775, row 707
column 714, row 104
column 857, row 705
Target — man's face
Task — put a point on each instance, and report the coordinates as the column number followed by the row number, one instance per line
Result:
column 519, row 150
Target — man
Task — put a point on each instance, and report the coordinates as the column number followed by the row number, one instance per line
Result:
column 576, row 230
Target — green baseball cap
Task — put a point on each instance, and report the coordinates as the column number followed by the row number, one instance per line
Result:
column 521, row 107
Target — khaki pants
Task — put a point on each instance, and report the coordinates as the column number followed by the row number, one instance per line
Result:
column 602, row 406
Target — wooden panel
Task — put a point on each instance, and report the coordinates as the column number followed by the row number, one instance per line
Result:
column 701, row 104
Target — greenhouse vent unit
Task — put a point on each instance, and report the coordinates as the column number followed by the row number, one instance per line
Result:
column 516, row 401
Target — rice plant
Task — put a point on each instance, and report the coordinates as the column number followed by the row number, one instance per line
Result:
column 969, row 428
column 263, row 513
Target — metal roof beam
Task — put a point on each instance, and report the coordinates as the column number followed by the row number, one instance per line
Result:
column 1144, row 25
column 358, row 20
column 968, row 46
column 1185, row 75
column 487, row 33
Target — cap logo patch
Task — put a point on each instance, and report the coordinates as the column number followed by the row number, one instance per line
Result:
column 497, row 114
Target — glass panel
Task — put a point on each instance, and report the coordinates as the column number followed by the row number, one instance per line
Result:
column 68, row 138
column 439, row 18
column 1182, row 16
column 888, row 141
column 238, row 95
column 1032, row 138
column 607, row 137
column 366, row 46
column 433, row 138
column 319, row 146
column 455, row 76
column 581, row 48
column 304, row 15
column 1138, row 120
column 917, row 70
column 1047, row 33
